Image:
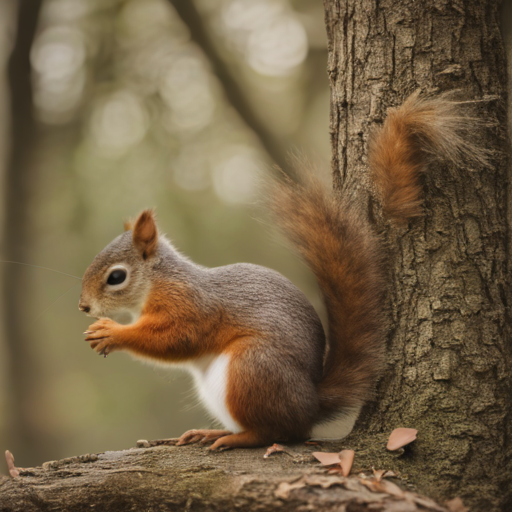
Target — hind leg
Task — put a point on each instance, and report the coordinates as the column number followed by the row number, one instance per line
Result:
column 245, row 439
column 201, row 436
column 269, row 396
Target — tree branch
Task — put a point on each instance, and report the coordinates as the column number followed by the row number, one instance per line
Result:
column 192, row 478
column 234, row 95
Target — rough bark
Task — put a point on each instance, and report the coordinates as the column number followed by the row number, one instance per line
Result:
column 191, row 478
column 449, row 347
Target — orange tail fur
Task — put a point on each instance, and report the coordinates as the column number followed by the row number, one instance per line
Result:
column 341, row 249
column 338, row 243
column 421, row 129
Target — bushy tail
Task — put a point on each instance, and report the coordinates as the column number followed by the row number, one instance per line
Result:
column 338, row 244
column 420, row 130
column 341, row 249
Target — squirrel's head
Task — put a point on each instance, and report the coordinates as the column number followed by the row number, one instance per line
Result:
column 117, row 281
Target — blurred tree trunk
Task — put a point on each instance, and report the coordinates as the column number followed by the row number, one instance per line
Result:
column 6, row 19
column 234, row 94
column 449, row 349
column 20, row 179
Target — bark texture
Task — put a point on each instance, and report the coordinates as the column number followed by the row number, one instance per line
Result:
column 449, row 347
column 192, row 479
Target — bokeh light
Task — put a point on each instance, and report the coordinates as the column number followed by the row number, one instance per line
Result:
column 185, row 88
column 131, row 114
column 235, row 175
column 58, row 58
column 273, row 39
column 118, row 121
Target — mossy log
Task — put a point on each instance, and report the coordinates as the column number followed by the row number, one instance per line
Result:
column 194, row 478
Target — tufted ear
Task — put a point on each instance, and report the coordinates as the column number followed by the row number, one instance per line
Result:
column 128, row 224
column 145, row 233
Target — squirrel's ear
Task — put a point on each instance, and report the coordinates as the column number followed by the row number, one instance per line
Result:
column 145, row 233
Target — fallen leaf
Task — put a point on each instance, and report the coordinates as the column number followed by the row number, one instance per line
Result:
column 312, row 443
column 378, row 474
column 372, row 484
column 13, row 470
column 275, row 448
column 400, row 437
column 383, row 486
column 456, row 505
column 389, row 473
column 346, row 461
column 391, row 488
column 327, row 459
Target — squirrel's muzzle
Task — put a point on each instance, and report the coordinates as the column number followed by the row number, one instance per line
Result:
column 83, row 307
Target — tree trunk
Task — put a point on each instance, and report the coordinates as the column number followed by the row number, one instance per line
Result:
column 449, row 347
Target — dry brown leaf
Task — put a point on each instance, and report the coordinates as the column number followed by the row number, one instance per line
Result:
column 372, row 484
column 313, row 443
column 327, row 459
column 378, row 474
column 383, row 486
column 346, row 461
column 400, row 437
column 389, row 473
column 391, row 488
column 456, row 505
column 13, row 470
column 275, row 448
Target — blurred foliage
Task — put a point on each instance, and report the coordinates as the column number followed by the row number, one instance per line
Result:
column 131, row 115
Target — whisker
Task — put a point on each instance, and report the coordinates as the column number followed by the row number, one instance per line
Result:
column 46, row 309
column 44, row 268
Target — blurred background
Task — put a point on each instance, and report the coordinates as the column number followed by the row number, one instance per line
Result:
column 111, row 106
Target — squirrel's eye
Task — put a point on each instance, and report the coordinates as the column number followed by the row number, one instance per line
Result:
column 116, row 276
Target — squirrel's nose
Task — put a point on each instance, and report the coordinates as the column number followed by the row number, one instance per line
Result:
column 83, row 307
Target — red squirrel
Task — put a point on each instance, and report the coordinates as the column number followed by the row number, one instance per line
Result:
column 250, row 338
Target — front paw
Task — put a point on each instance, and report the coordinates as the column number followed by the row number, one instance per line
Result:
column 103, row 336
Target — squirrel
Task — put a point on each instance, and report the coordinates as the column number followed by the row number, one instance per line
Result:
column 252, row 341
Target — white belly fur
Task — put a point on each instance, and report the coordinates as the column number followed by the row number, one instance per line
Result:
column 210, row 379
column 210, row 376
column 337, row 428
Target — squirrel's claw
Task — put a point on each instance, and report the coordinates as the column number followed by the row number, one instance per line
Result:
column 201, row 436
column 101, row 336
